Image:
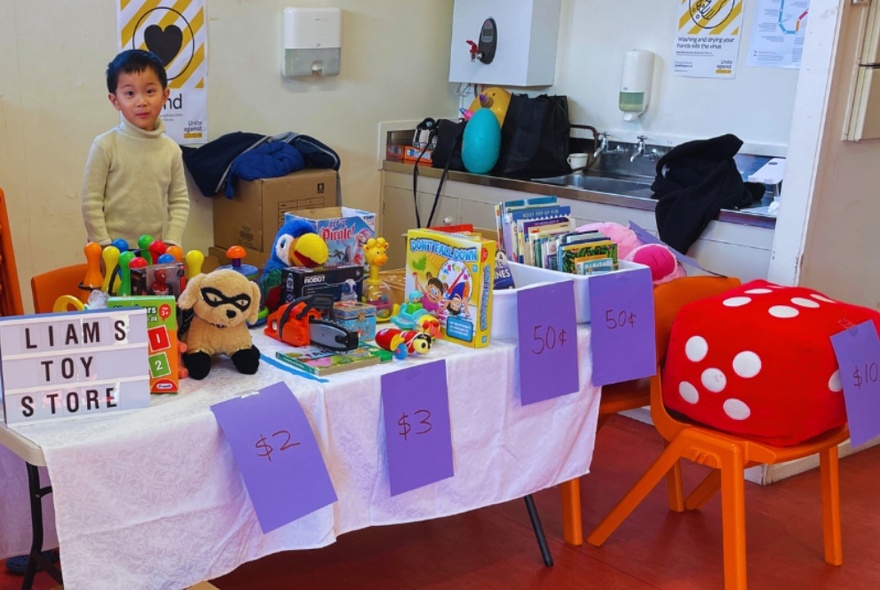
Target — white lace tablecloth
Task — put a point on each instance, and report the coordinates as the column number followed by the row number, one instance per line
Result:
column 153, row 499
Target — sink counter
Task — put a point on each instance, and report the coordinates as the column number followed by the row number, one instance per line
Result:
column 643, row 203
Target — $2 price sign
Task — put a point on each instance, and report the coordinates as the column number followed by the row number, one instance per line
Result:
column 547, row 331
column 284, row 439
column 284, row 472
column 858, row 359
column 415, row 406
column 622, row 322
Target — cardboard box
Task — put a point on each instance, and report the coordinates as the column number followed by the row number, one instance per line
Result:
column 162, row 337
column 411, row 156
column 345, row 230
column 453, row 274
column 252, row 218
column 344, row 282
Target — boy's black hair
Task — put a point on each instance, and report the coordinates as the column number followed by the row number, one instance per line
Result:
column 131, row 61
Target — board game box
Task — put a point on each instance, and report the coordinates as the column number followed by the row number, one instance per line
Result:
column 162, row 337
column 452, row 276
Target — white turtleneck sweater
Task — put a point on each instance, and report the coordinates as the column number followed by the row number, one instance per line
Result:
column 134, row 184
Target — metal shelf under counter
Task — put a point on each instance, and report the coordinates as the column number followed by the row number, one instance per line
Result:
column 643, row 203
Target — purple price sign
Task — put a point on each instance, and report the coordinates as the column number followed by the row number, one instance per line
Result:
column 622, row 326
column 547, row 342
column 858, row 358
column 418, row 440
column 277, row 454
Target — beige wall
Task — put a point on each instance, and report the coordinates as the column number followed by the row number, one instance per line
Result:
column 53, row 100
column 394, row 67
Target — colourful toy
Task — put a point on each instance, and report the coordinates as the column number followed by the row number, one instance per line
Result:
column 495, row 99
column 376, row 291
column 296, row 244
column 235, row 255
column 301, row 323
column 221, row 301
column 93, row 279
column 412, row 315
column 404, row 342
column 110, row 255
column 658, row 257
column 193, row 262
column 144, row 246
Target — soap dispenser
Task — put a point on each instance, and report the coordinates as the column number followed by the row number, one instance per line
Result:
column 635, row 86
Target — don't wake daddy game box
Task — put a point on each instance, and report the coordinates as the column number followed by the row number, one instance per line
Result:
column 452, row 275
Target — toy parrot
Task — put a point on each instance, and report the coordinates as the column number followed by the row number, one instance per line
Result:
column 296, row 244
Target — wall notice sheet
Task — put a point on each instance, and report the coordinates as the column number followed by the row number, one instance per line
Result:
column 707, row 39
column 778, row 33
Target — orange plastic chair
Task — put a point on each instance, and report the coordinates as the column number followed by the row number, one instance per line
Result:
column 10, row 290
column 629, row 395
column 46, row 288
column 729, row 455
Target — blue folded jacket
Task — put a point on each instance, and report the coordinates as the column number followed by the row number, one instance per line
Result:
column 267, row 160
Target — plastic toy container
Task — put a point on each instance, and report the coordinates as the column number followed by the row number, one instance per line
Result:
column 504, row 312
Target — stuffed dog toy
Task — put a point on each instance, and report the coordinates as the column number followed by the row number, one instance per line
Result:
column 220, row 303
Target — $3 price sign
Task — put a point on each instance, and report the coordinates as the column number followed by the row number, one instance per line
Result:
column 423, row 423
column 282, row 438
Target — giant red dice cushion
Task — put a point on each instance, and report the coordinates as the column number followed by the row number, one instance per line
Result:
column 757, row 361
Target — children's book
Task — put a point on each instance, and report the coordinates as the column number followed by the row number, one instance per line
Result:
column 321, row 361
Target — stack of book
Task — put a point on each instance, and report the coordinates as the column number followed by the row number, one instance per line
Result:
column 539, row 232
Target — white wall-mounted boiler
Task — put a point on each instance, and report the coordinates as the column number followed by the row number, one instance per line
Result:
column 504, row 42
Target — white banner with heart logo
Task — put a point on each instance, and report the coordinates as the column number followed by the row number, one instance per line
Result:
column 176, row 31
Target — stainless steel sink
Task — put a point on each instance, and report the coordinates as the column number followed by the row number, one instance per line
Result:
column 601, row 184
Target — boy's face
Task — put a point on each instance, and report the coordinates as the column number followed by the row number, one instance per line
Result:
column 139, row 97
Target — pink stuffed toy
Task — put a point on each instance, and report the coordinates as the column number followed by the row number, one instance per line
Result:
column 660, row 259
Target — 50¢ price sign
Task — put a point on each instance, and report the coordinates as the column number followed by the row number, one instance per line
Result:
column 418, row 439
column 622, row 323
column 277, row 455
column 547, row 329
column 858, row 359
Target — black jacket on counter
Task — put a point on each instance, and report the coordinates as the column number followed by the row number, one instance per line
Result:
column 694, row 181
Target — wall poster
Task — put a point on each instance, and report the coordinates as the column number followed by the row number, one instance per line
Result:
column 176, row 31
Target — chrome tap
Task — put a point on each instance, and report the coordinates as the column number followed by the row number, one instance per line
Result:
column 603, row 145
column 639, row 149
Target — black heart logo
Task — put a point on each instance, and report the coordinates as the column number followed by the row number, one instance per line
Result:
column 165, row 44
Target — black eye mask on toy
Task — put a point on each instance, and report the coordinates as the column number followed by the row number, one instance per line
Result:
column 215, row 298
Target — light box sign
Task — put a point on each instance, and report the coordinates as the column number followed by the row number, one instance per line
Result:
column 72, row 365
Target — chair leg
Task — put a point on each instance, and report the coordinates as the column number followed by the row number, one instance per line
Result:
column 539, row 531
column 572, row 525
column 675, row 488
column 733, row 519
column 830, row 476
column 666, row 461
column 704, row 492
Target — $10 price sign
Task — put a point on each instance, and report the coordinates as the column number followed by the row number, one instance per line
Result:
column 547, row 329
column 415, row 404
column 277, row 455
column 858, row 359
column 622, row 326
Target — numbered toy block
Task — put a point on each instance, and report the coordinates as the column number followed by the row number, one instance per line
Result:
column 161, row 335
column 451, row 276
column 758, row 361
column 344, row 229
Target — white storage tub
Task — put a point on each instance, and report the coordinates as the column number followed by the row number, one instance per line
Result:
column 504, row 312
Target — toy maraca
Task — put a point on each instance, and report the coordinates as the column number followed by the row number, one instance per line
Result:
column 176, row 252
column 125, row 273
column 110, row 256
column 144, row 246
column 193, row 262
column 157, row 248
column 93, row 278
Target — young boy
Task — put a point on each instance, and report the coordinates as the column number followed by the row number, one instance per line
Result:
column 134, row 182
